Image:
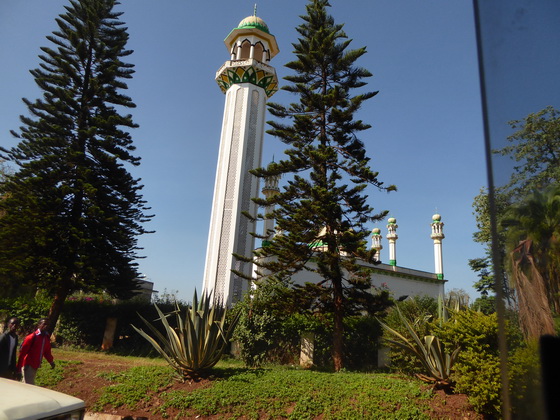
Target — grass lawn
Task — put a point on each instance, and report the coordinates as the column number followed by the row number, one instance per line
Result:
column 147, row 387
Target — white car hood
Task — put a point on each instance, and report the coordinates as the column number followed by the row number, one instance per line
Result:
column 30, row 402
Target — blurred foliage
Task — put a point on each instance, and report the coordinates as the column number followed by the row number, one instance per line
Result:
column 28, row 309
column 485, row 304
column 84, row 319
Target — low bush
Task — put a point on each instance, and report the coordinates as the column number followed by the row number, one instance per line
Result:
column 270, row 328
column 261, row 331
column 477, row 371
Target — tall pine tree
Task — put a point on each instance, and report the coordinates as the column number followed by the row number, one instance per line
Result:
column 322, row 212
column 72, row 211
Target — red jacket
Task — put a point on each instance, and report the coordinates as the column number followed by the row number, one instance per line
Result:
column 31, row 354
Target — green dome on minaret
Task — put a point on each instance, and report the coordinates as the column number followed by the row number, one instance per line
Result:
column 253, row 22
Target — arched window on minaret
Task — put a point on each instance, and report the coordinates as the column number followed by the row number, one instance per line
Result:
column 245, row 50
column 258, row 51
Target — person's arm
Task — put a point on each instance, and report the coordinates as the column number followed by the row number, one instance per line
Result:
column 4, row 346
column 47, row 352
column 13, row 360
column 24, row 350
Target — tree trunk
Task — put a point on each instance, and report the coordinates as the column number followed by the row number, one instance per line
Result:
column 535, row 315
column 56, row 307
column 338, row 325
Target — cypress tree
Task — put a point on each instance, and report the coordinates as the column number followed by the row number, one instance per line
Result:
column 72, row 211
column 322, row 211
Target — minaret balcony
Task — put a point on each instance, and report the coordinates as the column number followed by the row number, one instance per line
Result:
column 247, row 70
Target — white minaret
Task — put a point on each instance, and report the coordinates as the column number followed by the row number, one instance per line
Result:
column 437, row 235
column 247, row 81
column 270, row 189
column 392, row 237
column 376, row 243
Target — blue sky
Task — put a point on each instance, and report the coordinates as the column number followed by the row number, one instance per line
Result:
column 426, row 134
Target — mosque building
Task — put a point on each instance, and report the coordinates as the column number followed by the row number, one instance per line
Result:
column 248, row 80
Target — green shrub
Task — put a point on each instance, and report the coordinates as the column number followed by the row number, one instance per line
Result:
column 255, row 334
column 477, row 374
column 322, row 329
column 525, row 381
column 361, row 342
column 270, row 328
column 28, row 309
column 260, row 332
column 82, row 322
column 477, row 371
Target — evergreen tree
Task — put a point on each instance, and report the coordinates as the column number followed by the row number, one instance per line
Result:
column 535, row 147
column 72, row 211
column 322, row 211
column 484, row 266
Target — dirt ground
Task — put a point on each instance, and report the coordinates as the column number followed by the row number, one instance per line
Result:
column 82, row 381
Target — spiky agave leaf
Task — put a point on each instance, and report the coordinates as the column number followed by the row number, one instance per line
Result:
column 199, row 340
column 429, row 350
column 164, row 351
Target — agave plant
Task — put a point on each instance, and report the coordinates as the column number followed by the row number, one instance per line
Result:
column 198, row 341
column 429, row 350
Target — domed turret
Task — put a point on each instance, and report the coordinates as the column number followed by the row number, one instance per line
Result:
column 253, row 30
column 376, row 243
column 392, row 237
column 253, row 22
column 437, row 235
column 251, row 47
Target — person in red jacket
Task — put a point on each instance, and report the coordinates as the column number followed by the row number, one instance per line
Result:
column 34, row 347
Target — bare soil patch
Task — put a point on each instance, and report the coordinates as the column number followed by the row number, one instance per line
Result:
column 82, row 380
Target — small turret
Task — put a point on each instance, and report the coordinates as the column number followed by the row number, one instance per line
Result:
column 376, row 243
column 437, row 235
column 392, row 237
column 269, row 190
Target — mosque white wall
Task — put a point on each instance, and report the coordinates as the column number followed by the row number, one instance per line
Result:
column 400, row 281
